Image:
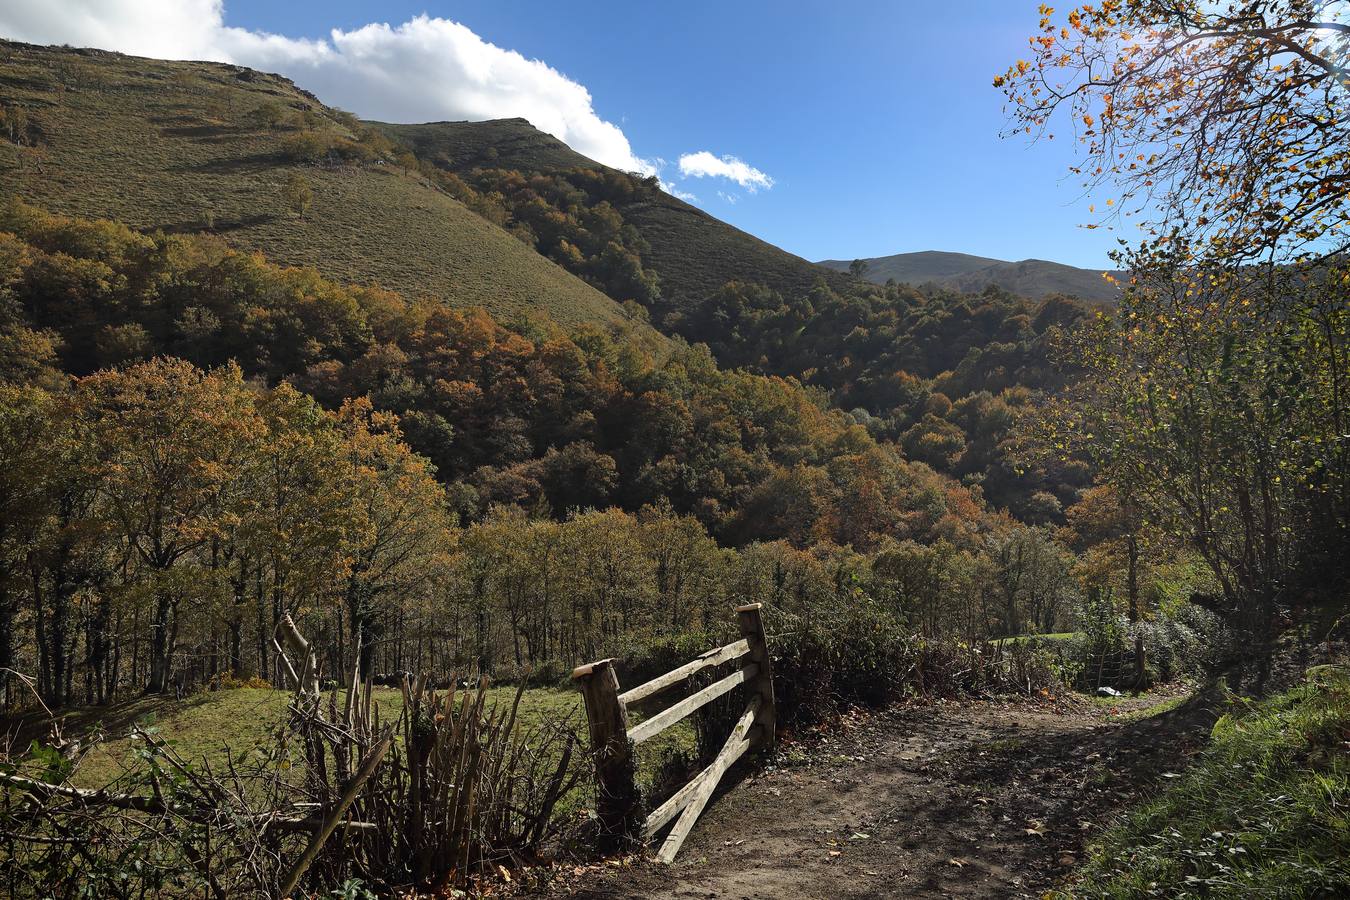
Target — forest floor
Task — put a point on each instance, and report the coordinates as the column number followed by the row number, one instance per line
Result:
column 948, row 799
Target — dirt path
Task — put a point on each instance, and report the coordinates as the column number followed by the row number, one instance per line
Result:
column 949, row 800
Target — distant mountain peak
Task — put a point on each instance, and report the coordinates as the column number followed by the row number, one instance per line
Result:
column 970, row 274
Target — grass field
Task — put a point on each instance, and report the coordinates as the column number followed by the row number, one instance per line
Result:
column 176, row 145
column 206, row 724
column 215, row 724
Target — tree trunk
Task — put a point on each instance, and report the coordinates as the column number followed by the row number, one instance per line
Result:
column 264, row 669
column 6, row 638
column 159, row 644
column 40, row 620
column 1135, row 610
column 114, row 664
column 363, row 636
column 239, row 595
column 96, row 641
column 1010, row 620
column 135, row 645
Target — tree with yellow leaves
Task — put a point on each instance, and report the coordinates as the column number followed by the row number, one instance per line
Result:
column 297, row 194
column 168, row 442
column 1216, row 395
column 1221, row 122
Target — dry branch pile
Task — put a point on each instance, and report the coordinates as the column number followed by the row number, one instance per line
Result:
column 450, row 789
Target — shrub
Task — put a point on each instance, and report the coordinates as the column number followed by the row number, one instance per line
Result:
column 268, row 114
column 665, row 653
column 228, row 682
column 1188, row 640
column 547, row 674
column 452, row 788
column 824, row 664
column 354, row 151
column 1183, row 640
column 306, row 146
column 297, row 194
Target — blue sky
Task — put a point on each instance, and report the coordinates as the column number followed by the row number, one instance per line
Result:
column 876, row 121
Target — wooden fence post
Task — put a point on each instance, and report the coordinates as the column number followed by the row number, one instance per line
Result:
column 618, row 804
column 752, row 629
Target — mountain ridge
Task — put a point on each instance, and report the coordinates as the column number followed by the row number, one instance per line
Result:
column 209, row 147
column 693, row 251
column 967, row 273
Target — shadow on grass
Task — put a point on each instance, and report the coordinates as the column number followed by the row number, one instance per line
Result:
column 25, row 83
column 115, row 719
column 208, row 132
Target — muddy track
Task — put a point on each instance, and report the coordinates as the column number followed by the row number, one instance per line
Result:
column 971, row 799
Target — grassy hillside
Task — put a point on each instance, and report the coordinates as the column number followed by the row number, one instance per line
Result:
column 189, row 147
column 693, row 252
column 1262, row 813
column 498, row 143
column 916, row 268
column 970, row 274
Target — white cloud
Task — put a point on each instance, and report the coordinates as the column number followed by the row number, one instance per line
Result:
column 423, row 70
column 705, row 165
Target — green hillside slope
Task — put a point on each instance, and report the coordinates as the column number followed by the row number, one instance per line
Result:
column 916, row 268
column 971, row 274
column 504, row 143
column 692, row 252
column 191, row 146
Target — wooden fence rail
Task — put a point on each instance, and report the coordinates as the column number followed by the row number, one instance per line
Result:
column 618, row 801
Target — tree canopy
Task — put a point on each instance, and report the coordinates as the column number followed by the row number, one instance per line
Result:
column 1221, row 123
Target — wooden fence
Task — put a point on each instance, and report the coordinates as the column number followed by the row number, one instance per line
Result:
column 618, row 801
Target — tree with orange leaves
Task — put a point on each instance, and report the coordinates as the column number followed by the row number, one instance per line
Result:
column 1221, row 122
column 1216, row 395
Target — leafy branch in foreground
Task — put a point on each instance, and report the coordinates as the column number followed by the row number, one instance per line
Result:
column 1223, row 120
column 1218, row 401
column 1215, row 396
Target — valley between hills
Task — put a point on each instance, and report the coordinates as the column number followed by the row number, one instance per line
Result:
column 363, row 482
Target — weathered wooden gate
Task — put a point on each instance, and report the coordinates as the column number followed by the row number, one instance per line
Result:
column 617, row 797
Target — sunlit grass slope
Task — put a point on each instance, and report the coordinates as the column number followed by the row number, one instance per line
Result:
column 242, row 719
column 179, row 146
column 214, row 725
